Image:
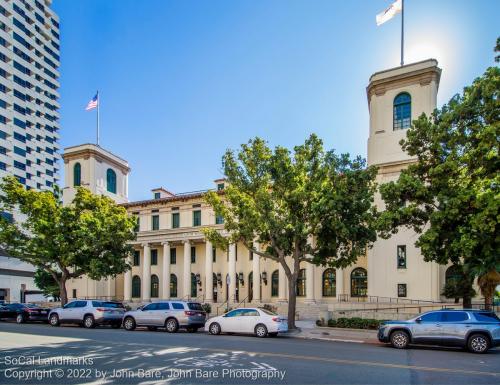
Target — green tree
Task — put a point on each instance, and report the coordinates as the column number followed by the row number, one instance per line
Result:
column 451, row 194
column 306, row 206
column 88, row 237
column 47, row 284
column 459, row 285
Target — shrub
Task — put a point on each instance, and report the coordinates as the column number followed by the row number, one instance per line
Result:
column 320, row 322
column 354, row 323
column 207, row 308
column 269, row 307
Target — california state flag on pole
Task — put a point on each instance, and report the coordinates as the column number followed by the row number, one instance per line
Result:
column 390, row 12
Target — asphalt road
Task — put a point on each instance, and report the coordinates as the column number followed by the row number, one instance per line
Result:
column 40, row 354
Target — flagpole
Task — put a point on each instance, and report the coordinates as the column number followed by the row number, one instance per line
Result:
column 402, row 31
column 98, row 102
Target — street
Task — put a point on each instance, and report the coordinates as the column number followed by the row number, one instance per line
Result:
column 37, row 353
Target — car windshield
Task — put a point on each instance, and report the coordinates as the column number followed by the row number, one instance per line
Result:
column 487, row 317
column 268, row 312
column 194, row 306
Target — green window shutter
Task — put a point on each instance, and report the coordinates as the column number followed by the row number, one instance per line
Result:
column 193, row 254
column 175, row 220
column 155, row 222
column 196, row 218
column 154, row 257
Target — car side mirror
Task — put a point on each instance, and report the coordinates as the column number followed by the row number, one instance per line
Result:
column 418, row 320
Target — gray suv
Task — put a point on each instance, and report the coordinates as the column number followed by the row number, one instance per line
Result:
column 170, row 315
column 478, row 330
column 88, row 313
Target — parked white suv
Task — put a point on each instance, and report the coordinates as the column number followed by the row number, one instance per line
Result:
column 88, row 313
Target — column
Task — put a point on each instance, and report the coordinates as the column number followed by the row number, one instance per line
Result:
column 310, row 297
column 256, row 275
column 209, row 271
column 146, row 273
column 339, row 283
column 186, row 279
column 165, row 294
column 127, row 282
column 282, row 297
column 232, row 272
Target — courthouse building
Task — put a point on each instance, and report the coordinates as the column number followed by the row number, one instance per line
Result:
column 172, row 259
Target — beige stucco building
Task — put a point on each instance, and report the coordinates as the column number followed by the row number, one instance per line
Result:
column 173, row 260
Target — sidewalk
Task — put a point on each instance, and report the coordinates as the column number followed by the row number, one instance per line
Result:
column 309, row 330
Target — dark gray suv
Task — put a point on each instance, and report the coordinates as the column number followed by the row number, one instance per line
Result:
column 478, row 330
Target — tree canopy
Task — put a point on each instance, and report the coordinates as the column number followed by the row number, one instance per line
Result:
column 306, row 205
column 87, row 237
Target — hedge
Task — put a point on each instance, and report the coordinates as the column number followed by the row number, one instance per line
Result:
column 353, row 323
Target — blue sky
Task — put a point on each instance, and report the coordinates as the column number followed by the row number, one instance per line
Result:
column 183, row 80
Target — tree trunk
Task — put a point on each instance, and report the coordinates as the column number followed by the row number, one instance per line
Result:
column 457, row 300
column 63, row 292
column 467, row 300
column 292, row 302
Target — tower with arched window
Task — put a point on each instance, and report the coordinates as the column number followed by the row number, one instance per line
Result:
column 396, row 97
column 96, row 169
column 102, row 172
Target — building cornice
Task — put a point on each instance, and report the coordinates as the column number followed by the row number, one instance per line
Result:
column 87, row 150
column 381, row 82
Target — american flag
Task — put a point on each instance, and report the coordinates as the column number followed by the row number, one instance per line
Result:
column 94, row 102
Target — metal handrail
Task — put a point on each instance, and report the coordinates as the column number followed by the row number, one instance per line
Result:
column 419, row 307
column 226, row 302
column 243, row 302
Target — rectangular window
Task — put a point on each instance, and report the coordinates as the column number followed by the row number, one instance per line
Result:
column 19, row 151
column 137, row 258
column 19, row 165
column 250, row 255
column 236, row 251
column 157, row 195
column 155, row 225
column 219, row 219
column 74, row 293
column 220, row 186
column 175, row 220
column 196, row 218
column 154, row 257
column 173, row 256
column 214, row 254
column 401, row 289
column 401, row 256
column 193, row 254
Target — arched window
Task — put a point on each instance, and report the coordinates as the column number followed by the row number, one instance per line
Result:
column 155, row 286
column 359, row 282
column 77, row 174
column 173, row 286
column 453, row 274
column 329, row 286
column 193, row 286
column 111, row 181
column 402, row 111
column 275, row 283
column 301, row 283
column 136, row 286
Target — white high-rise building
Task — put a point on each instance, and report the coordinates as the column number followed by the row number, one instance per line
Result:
column 29, row 117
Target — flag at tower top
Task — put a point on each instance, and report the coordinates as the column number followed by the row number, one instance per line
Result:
column 390, row 12
column 94, row 102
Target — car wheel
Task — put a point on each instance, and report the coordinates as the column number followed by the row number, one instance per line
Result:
column 261, row 331
column 20, row 319
column 172, row 325
column 478, row 343
column 116, row 326
column 400, row 339
column 89, row 322
column 129, row 324
column 152, row 328
column 273, row 334
column 214, row 329
column 54, row 320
